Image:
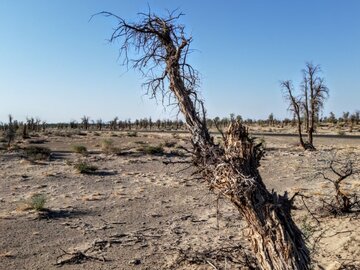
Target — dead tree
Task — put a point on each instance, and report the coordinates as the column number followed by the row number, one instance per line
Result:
column 10, row 133
column 113, row 123
column 99, row 124
column 341, row 170
column 309, row 103
column 232, row 169
column 85, row 122
column 314, row 92
column 295, row 107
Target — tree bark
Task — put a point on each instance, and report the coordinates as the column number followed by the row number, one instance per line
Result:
column 275, row 239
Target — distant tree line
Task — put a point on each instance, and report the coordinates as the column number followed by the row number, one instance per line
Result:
column 24, row 128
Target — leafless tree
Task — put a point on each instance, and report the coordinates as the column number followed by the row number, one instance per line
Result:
column 99, row 124
column 113, row 123
column 85, row 121
column 295, row 107
column 309, row 103
column 232, row 169
column 10, row 133
column 336, row 172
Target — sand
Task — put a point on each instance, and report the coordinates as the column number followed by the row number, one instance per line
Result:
column 136, row 212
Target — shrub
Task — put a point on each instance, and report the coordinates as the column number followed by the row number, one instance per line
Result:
column 107, row 146
column 80, row 133
column 37, row 141
column 177, row 153
column 140, row 142
column 85, row 168
column 152, row 150
column 80, row 149
column 37, row 202
column 170, row 144
column 132, row 134
column 37, row 153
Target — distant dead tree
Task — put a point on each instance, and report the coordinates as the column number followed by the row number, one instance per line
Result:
column 85, row 121
column 113, row 123
column 232, row 169
column 10, row 132
column 73, row 124
column 99, row 124
column 309, row 103
column 25, row 132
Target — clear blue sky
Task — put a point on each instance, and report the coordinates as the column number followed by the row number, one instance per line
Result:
column 56, row 65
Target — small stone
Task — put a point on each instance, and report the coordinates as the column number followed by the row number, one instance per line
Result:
column 135, row 262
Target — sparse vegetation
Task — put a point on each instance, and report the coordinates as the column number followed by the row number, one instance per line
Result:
column 37, row 202
column 37, row 153
column 85, row 168
column 152, row 150
column 80, row 149
column 170, row 144
column 107, row 146
column 132, row 134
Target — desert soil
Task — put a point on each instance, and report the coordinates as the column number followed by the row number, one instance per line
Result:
column 137, row 212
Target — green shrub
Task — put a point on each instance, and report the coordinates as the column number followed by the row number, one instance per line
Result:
column 37, row 153
column 85, row 168
column 37, row 202
column 80, row 149
column 152, row 150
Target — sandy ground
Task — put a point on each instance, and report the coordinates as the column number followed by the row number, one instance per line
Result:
column 136, row 212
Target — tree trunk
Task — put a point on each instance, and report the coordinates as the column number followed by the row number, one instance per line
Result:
column 232, row 171
column 299, row 131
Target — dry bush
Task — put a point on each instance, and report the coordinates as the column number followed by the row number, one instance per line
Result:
column 107, row 146
column 169, row 144
column 85, row 168
column 80, row 149
column 132, row 134
column 37, row 153
column 337, row 171
column 152, row 150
